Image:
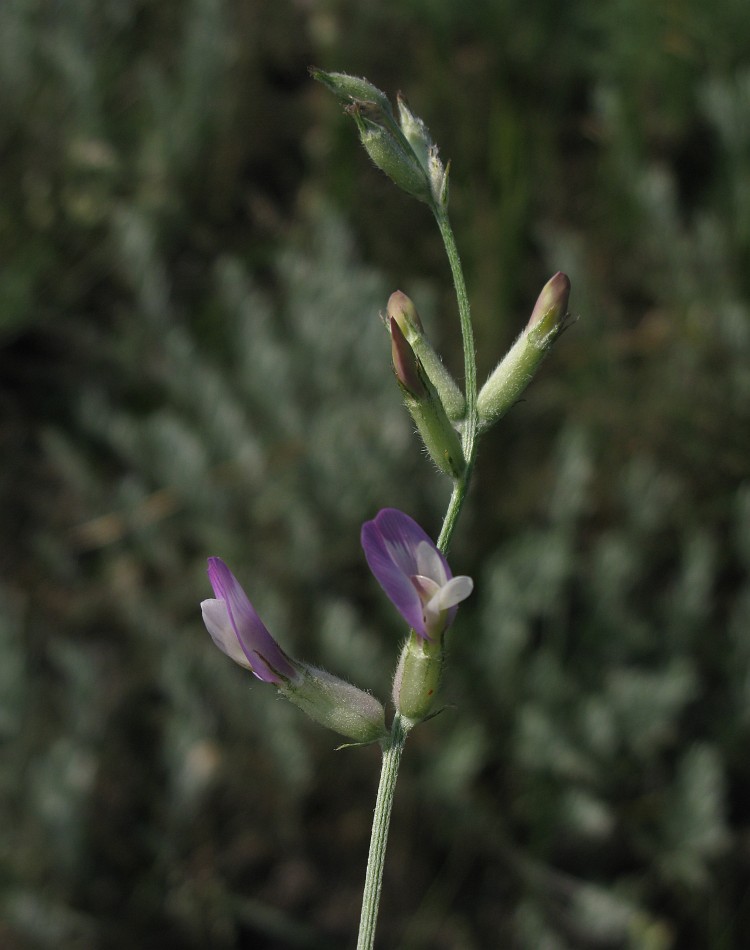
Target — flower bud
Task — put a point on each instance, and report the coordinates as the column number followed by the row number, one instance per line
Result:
column 405, row 364
column 392, row 155
column 423, row 402
column 550, row 310
column 405, row 151
column 349, row 89
column 336, row 704
column 402, row 310
column 516, row 370
column 417, row 678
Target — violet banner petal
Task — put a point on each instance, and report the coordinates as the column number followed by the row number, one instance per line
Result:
column 267, row 660
column 401, row 536
column 392, row 577
column 410, row 546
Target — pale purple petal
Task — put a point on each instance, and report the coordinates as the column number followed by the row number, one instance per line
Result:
column 218, row 624
column 413, row 572
column 402, row 537
column 266, row 658
column 392, row 578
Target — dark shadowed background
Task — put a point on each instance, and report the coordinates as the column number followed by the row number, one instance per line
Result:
column 193, row 254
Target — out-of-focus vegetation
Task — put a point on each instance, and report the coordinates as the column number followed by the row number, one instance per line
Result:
column 194, row 253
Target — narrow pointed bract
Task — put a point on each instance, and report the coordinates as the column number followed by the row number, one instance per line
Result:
column 415, row 131
column 413, row 572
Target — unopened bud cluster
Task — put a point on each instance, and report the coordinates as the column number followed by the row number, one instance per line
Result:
column 432, row 395
column 402, row 148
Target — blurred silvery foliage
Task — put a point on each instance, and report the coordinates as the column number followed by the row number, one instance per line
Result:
column 613, row 750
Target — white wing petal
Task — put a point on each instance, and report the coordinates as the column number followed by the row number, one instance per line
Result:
column 220, row 627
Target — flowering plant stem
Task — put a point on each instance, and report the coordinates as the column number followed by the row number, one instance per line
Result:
column 461, row 486
column 392, row 749
column 393, row 746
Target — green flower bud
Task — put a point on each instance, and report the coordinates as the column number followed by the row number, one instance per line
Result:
column 392, row 155
column 517, row 368
column 422, row 400
column 401, row 309
column 352, row 89
column 404, row 151
column 336, row 704
column 417, row 677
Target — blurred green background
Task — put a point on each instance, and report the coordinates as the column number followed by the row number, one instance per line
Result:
column 194, row 253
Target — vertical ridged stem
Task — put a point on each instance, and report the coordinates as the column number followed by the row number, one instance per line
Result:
column 379, row 836
column 461, row 486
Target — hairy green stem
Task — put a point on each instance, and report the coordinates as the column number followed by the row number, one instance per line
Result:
column 461, row 486
column 392, row 750
column 467, row 333
column 394, row 745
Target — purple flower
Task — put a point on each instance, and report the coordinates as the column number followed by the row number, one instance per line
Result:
column 238, row 631
column 413, row 573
